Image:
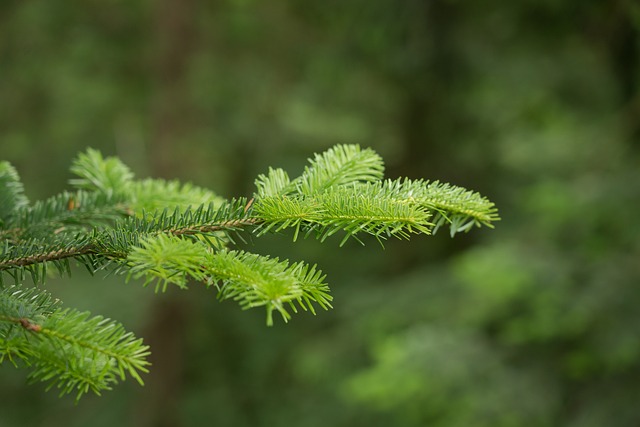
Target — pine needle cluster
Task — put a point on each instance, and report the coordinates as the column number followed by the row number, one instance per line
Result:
column 169, row 233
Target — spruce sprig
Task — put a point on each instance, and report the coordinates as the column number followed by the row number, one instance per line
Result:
column 170, row 233
column 450, row 205
column 250, row 279
column 346, row 209
column 340, row 165
column 66, row 348
column 12, row 195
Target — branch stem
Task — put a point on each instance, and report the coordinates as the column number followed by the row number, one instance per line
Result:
column 92, row 249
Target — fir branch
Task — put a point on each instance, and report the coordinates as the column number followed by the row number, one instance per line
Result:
column 103, row 175
column 42, row 255
column 116, row 242
column 456, row 206
column 155, row 195
column 250, row 279
column 12, row 195
column 340, row 165
column 64, row 347
column 67, row 212
column 109, row 176
column 280, row 212
column 209, row 219
column 167, row 260
column 350, row 209
column 21, row 307
column 353, row 211
column 275, row 183
column 256, row 281
column 172, row 233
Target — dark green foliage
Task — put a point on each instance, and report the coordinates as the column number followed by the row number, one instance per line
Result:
column 535, row 103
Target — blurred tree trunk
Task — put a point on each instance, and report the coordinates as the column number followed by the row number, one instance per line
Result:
column 429, row 116
column 428, row 88
column 623, row 48
column 173, row 39
column 158, row 406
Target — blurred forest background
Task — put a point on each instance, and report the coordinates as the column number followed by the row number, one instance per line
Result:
column 536, row 104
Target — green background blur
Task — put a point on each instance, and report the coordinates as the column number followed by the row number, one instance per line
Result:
column 536, row 104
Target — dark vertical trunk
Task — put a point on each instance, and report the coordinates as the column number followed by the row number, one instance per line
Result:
column 623, row 48
column 173, row 39
column 428, row 89
column 613, row 30
column 429, row 124
column 159, row 406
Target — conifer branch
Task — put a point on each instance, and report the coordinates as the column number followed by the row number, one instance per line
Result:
column 340, row 165
column 250, row 279
column 66, row 348
column 12, row 195
column 169, row 233
column 54, row 255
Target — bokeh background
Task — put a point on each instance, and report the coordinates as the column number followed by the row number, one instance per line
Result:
column 534, row 103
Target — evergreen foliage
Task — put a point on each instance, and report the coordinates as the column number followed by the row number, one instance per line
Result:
column 172, row 233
